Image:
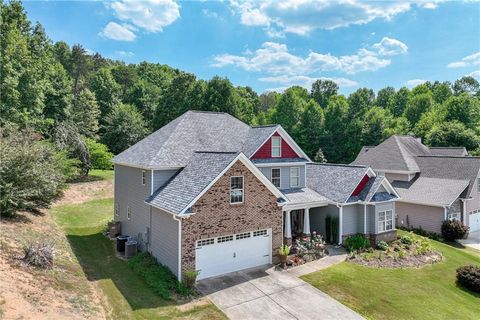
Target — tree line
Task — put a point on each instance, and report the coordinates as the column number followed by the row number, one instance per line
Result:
column 81, row 106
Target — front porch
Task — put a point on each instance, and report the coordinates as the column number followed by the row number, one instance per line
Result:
column 336, row 222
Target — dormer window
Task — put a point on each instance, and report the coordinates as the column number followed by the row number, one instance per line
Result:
column 276, row 147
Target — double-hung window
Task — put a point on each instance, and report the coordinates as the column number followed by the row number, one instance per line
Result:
column 144, row 179
column 276, row 177
column 276, row 147
column 454, row 216
column 294, row 177
column 385, row 221
column 236, row 189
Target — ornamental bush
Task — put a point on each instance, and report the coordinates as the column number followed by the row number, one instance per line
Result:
column 453, row 230
column 32, row 171
column 356, row 242
column 100, row 157
column 469, row 277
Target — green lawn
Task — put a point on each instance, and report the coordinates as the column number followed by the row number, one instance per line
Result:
column 426, row 293
column 96, row 175
column 125, row 296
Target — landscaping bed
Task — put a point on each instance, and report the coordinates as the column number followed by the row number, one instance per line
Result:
column 305, row 249
column 406, row 251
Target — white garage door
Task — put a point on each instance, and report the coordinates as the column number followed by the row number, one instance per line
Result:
column 216, row 256
column 474, row 221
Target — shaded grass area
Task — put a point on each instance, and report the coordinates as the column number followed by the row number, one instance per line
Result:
column 124, row 294
column 429, row 292
column 96, row 175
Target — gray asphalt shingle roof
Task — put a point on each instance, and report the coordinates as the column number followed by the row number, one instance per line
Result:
column 450, row 167
column 432, row 191
column 174, row 144
column 334, row 181
column 395, row 153
column 449, row 151
column 303, row 195
column 182, row 189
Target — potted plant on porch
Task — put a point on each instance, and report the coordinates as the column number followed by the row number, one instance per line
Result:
column 283, row 253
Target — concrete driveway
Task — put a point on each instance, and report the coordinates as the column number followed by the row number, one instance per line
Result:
column 472, row 241
column 263, row 293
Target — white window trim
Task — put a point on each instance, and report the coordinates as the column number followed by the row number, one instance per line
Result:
column 243, row 190
column 279, row 177
column 144, row 177
column 279, row 147
column 298, row 177
column 457, row 216
column 129, row 213
column 385, row 222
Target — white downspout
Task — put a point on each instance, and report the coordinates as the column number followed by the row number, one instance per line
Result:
column 340, row 224
column 365, row 218
column 179, row 246
column 445, row 212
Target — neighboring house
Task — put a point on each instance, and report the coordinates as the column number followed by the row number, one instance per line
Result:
column 435, row 184
column 210, row 193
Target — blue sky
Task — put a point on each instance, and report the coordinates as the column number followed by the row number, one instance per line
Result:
column 267, row 45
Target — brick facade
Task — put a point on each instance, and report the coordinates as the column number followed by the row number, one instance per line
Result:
column 215, row 216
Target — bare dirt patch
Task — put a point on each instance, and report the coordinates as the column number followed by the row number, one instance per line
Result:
column 86, row 191
column 62, row 292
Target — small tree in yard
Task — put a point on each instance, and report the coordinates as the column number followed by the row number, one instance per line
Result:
column 469, row 277
column 453, row 230
column 32, row 173
column 100, row 157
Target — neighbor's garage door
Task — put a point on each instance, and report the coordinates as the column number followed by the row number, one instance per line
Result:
column 474, row 221
column 216, row 256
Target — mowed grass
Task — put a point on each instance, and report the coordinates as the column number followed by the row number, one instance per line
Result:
column 123, row 294
column 425, row 293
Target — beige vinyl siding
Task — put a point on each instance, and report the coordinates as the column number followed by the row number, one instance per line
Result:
column 428, row 217
column 164, row 241
column 129, row 192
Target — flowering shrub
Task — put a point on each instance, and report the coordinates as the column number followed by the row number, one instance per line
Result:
column 313, row 247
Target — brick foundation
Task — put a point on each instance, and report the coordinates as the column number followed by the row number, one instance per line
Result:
column 385, row 236
column 215, row 216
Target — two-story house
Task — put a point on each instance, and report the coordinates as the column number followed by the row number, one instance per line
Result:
column 435, row 184
column 210, row 193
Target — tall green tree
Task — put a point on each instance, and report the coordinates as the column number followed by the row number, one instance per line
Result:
column 322, row 90
column 360, row 101
column 465, row 109
column 220, row 96
column 311, row 129
column 288, row 111
column 124, row 127
column 453, row 134
column 400, row 102
column 386, row 98
column 107, row 91
column 85, row 113
column 417, row 105
column 466, row 84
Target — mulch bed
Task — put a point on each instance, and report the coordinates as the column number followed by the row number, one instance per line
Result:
column 405, row 252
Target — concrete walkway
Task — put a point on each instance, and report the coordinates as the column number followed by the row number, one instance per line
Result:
column 265, row 293
column 473, row 240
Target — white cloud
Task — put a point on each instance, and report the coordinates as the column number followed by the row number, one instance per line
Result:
column 415, row 82
column 306, row 81
column 125, row 54
column 119, row 32
column 302, row 16
column 471, row 60
column 475, row 74
column 212, row 14
column 275, row 59
column 150, row 15
column 390, row 47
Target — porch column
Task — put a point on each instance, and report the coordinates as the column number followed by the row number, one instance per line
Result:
column 306, row 221
column 288, row 227
column 340, row 224
column 365, row 218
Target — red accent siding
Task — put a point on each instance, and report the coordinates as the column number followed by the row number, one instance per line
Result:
column 265, row 151
column 360, row 186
